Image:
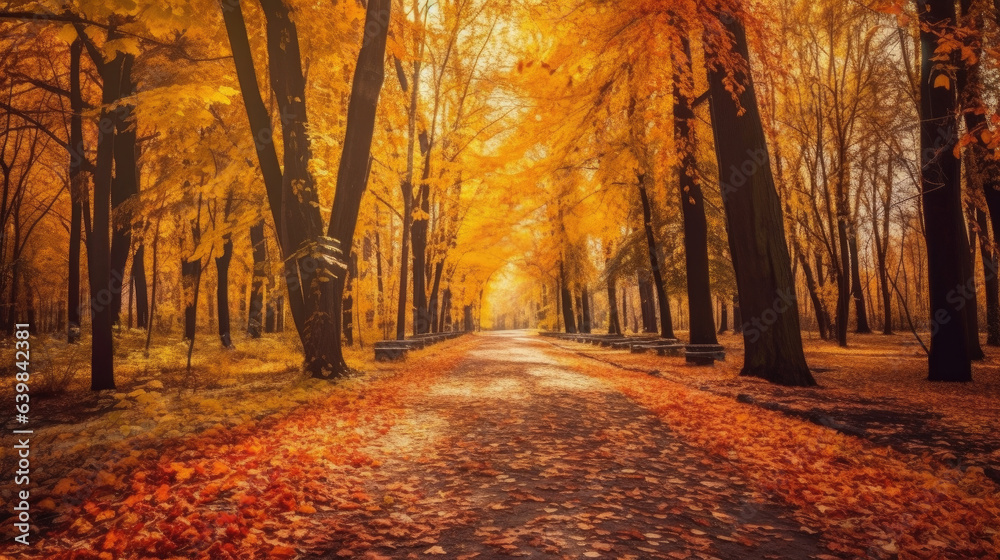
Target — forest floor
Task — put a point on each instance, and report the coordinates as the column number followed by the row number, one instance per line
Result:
column 511, row 445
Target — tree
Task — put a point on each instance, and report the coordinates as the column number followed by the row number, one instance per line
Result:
column 773, row 343
column 314, row 267
column 947, row 246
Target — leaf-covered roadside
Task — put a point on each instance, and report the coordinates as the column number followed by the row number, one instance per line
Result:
column 869, row 501
column 258, row 490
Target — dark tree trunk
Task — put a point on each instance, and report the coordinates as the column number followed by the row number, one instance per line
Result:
column 972, row 306
column 468, row 319
column 222, row 292
column 421, row 318
column 666, row 325
column 191, row 277
column 125, row 185
column 949, row 358
column 355, row 161
column 255, row 322
column 141, row 291
column 990, row 280
column 585, row 309
column 279, row 314
column 404, row 265
column 78, row 186
column 99, row 239
column 567, row 301
column 699, row 290
column 433, row 302
column 445, row 310
column 723, row 317
column 646, row 304
column 773, row 341
column 624, row 317
column 614, row 326
column 856, row 291
column 313, row 266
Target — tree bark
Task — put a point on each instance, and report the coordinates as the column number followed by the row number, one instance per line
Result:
column 78, row 186
column 567, row 301
column 772, row 342
column 614, row 325
column 125, row 185
column 723, row 317
column 646, row 304
column 141, row 291
column 99, row 239
column 222, row 293
column 255, row 321
column 990, row 280
column 949, row 358
column 699, row 290
column 666, row 324
column 856, row 291
column 421, row 318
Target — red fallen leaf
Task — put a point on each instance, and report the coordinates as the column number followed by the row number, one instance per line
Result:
column 282, row 552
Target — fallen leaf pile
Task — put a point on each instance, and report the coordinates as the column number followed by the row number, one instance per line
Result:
column 863, row 496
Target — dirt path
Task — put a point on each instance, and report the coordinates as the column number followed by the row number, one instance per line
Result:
column 515, row 454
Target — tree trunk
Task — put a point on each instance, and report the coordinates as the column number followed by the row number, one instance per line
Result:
column 990, row 280
column 255, row 322
column 699, row 290
column 972, row 306
column 191, row 277
column 99, row 239
column 666, row 325
column 737, row 315
column 141, row 291
column 313, row 267
column 723, row 317
column 567, row 301
column 646, row 304
column 78, row 186
column 222, row 292
column 772, row 342
column 433, row 302
column 949, row 358
column 125, row 185
column 856, row 291
column 614, row 326
column 421, row 319
column 585, row 309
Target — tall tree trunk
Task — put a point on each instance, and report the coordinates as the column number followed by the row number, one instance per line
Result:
column 255, row 321
column 421, row 319
column 991, row 285
column 585, row 299
column 666, row 325
column 124, row 186
column 773, row 342
column 99, row 239
column 723, row 317
column 222, row 293
column 313, row 262
column 646, row 304
column 78, row 186
column 614, row 326
column 972, row 306
column 949, row 358
column 856, row 291
column 141, row 291
column 432, row 303
column 567, row 301
column 355, row 162
column 699, row 290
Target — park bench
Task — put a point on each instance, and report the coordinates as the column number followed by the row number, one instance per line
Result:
column 704, row 354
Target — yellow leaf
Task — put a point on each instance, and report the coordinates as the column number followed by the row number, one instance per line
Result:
column 942, row 81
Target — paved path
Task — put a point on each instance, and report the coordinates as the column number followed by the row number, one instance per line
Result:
column 515, row 453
